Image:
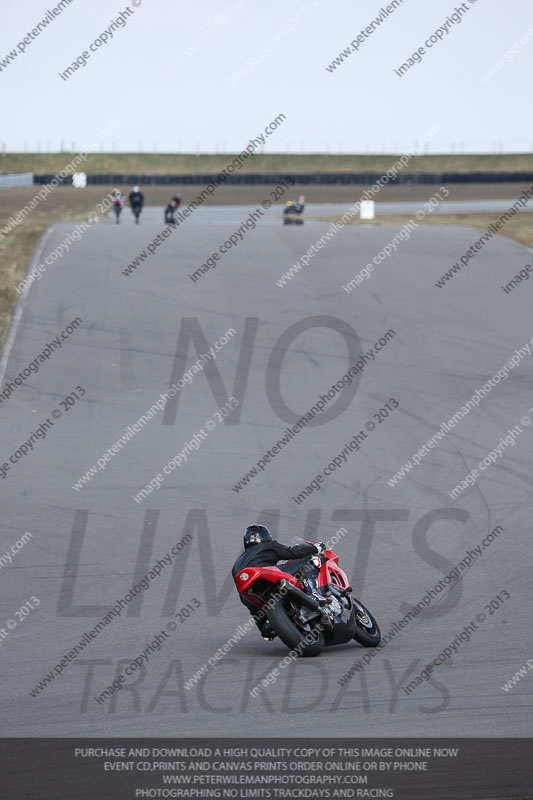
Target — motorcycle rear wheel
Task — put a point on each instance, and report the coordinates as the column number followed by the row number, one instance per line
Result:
column 367, row 630
column 291, row 635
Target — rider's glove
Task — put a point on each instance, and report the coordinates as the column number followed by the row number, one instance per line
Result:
column 320, row 546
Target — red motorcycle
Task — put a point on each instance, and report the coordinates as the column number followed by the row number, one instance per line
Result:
column 302, row 622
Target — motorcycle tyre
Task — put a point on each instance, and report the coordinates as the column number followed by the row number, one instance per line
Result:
column 290, row 634
column 365, row 636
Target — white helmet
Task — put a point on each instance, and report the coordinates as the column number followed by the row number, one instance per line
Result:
column 135, row 188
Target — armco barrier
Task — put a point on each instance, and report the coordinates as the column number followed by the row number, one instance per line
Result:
column 16, row 179
column 317, row 178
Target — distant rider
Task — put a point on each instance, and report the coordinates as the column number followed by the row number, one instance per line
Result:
column 299, row 204
column 172, row 207
column 118, row 202
column 261, row 550
column 136, row 199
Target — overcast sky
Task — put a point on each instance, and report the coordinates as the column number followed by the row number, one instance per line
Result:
column 206, row 105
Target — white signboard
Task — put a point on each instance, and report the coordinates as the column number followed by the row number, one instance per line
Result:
column 79, row 180
column 367, row 209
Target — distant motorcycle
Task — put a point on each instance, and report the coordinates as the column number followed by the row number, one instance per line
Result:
column 292, row 208
column 300, row 620
column 171, row 209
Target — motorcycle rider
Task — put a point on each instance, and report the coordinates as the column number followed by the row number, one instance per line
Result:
column 261, row 550
column 299, row 204
column 295, row 206
column 172, row 207
column 118, row 202
column 136, row 200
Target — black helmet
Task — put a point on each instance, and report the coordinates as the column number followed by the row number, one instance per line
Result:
column 255, row 534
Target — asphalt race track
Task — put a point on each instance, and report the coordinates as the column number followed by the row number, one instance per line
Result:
column 140, row 333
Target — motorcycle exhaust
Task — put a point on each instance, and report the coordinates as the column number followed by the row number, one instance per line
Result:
column 305, row 600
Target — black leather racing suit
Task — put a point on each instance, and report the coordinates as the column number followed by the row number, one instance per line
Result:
column 267, row 554
column 136, row 200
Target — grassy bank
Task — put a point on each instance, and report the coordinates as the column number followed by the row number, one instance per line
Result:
column 160, row 163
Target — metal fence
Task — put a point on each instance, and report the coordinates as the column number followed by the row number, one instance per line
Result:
column 16, row 179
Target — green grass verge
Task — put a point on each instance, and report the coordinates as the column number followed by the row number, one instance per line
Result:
column 161, row 163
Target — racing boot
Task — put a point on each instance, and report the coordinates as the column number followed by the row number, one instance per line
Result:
column 267, row 633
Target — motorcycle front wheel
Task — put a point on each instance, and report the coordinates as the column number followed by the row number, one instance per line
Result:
column 367, row 630
column 291, row 635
